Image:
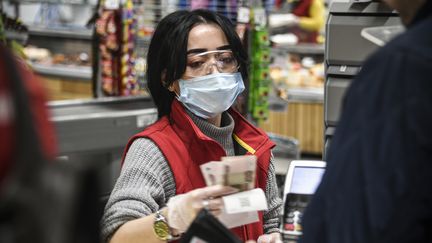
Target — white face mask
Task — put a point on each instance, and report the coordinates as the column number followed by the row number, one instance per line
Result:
column 210, row 95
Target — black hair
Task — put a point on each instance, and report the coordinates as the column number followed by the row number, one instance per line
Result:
column 167, row 56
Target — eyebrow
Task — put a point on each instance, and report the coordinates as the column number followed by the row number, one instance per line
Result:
column 200, row 50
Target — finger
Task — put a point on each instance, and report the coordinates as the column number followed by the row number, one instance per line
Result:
column 276, row 237
column 216, row 212
column 217, row 191
column 209, row 204
column 264, row 239
column 213, row 204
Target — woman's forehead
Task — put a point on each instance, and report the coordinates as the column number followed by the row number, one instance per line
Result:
column 206, row 37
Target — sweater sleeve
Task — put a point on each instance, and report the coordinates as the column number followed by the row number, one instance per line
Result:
column 272, row 215
column 144, row 185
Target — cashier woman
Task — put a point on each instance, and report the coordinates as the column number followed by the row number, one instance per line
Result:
column 378, row 183
column 196, row 67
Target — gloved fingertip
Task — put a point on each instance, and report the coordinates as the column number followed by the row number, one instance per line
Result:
column 264, row 239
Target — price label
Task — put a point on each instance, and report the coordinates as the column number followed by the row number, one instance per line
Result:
column 260, row 17
column 243, row 15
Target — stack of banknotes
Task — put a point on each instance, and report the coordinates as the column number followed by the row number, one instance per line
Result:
column 234, row 171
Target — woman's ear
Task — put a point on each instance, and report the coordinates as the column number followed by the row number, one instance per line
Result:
column 174, row 87
column 171, row 88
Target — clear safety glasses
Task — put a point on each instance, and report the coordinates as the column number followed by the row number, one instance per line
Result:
column 201, row 64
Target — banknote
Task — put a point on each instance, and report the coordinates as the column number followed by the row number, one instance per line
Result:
column 235, row 171
column 212, row 173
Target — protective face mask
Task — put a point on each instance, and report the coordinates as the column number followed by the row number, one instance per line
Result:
column 210, row 95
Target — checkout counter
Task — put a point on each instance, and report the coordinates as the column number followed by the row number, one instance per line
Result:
column 97, row 130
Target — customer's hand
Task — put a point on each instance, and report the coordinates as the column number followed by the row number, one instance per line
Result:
column 270, row 238
column 183, row 208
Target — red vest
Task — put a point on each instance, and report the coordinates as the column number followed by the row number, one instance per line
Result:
column 186, row 148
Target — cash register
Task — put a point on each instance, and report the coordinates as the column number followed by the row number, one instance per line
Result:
column 349, row 26
column 302, row 179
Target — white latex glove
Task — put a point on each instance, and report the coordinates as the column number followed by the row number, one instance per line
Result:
column 270, row 238
column 183, row 208
column 281, row 20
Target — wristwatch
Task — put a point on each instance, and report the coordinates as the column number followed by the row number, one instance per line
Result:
column 161, row 228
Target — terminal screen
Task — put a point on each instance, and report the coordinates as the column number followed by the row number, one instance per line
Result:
column 305, row 180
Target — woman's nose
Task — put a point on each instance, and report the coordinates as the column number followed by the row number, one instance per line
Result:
column 212, row 68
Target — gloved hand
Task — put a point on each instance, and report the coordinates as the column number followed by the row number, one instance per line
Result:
column 270, row 238
column 183, row 208
column 283, row 20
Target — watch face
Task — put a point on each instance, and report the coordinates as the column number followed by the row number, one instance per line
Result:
column 161, row 229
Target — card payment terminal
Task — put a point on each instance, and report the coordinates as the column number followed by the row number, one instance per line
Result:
column 302, row 179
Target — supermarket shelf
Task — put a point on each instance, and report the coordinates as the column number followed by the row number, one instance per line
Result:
column 304, row 48
column 13, row 35
column 62, row 32
column 67, row 71
column 313, row 95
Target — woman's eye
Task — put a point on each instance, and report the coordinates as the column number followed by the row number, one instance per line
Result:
column 195, row 65
column 226, row 57
column 227, row 60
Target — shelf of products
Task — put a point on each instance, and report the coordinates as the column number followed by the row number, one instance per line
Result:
column 297, row 72
column 303, row 48
column 17, row 36
column 78, row 2
column 308, row 95
column 65, row 71
column 297, row 78
column 67, row 62
column 61, row 32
